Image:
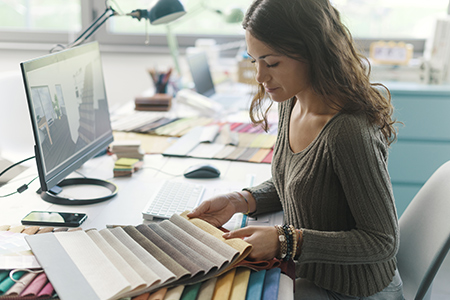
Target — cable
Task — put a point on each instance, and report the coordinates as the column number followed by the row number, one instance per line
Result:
column 21, row 189
column 13, row 165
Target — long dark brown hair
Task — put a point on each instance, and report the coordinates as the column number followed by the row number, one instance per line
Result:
column 311, row 31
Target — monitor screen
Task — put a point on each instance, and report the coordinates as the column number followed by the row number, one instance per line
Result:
column 69, row 110
column 201, row 73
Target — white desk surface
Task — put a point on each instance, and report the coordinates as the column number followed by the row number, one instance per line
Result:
column 134, row 192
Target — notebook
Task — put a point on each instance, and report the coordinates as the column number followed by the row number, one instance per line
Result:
column 237, row 97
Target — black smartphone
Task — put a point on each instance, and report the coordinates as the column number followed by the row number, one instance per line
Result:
column 52, row 218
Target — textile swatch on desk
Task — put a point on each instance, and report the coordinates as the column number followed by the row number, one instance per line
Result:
column 229, row 141
column 95, row 261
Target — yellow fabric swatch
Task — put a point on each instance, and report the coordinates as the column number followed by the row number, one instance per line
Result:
column 240, row 284
column 223, row 285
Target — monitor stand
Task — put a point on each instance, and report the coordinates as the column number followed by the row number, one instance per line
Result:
column 52, row 195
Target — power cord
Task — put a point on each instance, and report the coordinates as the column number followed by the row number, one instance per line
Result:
column 13, row 165
column 23, row 187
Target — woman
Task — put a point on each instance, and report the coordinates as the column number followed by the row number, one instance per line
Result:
column 329, row 168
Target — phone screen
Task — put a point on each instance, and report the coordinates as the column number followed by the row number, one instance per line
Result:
column 49, row 218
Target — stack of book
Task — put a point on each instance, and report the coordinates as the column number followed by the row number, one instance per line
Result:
column 125, row 167
column 127, row 149
column 157, row 102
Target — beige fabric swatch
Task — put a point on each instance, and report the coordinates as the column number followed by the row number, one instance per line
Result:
column 191, row 260
column 236, row 153
column 225, row 152
column 240, row 284
column 158, row 295
column 101, row 274
column 4, row 227
column 207, row 289
column 174, row 293
column 17, row 229
column 169, row 249
column 143, row 270
column 44, row 230
column 187, row 246
column 243, row 247
column 31, row 230
column 215, row 257
column 162, row 265
column 136, row 281
column 224, row 249
column 286, row 288
column 18, row 287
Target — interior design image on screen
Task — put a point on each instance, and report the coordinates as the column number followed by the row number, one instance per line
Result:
column 69, row 109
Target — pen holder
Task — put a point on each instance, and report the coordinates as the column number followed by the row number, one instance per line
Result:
column 157, row 102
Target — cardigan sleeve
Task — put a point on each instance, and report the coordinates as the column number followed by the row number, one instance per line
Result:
column 266, row 196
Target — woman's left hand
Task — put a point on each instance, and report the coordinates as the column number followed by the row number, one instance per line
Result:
column 264, row 240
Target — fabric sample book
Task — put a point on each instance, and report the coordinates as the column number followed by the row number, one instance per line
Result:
column 128, row 261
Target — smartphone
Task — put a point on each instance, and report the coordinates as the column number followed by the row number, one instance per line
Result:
column 51, row 218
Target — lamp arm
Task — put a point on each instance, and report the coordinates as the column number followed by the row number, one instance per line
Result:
column 93, row 27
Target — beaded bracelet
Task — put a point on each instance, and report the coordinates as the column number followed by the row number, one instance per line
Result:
column 295, row 240
column 283, row 244
column 289, row 240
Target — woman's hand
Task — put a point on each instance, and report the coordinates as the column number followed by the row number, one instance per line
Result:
column 217, row 210
column 264, row 240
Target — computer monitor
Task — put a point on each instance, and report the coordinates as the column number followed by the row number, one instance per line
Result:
column 70, row 117
column 201, row 73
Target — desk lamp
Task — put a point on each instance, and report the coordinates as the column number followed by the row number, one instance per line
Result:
column 161, row 12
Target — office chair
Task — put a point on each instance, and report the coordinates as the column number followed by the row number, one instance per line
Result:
column 425, row 235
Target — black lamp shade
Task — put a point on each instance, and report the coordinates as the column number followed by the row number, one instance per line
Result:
column 165, row 11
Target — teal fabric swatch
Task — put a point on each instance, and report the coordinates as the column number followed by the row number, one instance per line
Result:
column 190, row 292
column 3, row 275
column 255, row 285
column 7, row 283
column 271, row 284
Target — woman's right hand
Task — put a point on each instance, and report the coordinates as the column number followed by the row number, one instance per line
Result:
column 218, row 210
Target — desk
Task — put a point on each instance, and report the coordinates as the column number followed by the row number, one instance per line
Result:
column 134, row 192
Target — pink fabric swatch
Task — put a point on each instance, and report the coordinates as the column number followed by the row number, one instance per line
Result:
column 47, row 290
column 35, row 286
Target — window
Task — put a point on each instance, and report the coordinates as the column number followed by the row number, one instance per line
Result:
column 56, row 21
column 203, row 17
column 43, row 15
column 391, row 19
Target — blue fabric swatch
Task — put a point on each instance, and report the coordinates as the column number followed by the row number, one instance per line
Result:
column 255, row 285
column 271, row 284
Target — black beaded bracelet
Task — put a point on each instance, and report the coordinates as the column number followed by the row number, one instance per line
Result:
column 289, row 241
